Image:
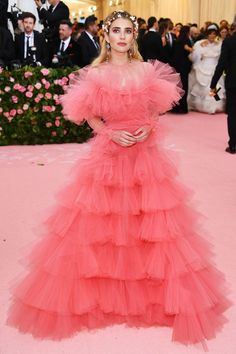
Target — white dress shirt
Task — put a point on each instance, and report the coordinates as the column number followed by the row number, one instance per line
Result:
column 31, row 42
column 66, row 41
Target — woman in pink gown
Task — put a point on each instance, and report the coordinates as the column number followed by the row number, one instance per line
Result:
column 122, row 244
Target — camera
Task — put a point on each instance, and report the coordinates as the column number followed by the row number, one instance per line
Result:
column 31, row 59
column 14, row 15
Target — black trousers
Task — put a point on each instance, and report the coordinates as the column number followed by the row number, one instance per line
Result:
column 231, row 119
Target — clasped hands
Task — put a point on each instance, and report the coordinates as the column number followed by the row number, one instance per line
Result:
column 124, row 138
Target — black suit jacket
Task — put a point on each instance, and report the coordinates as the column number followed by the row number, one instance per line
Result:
column 52, row 19
column 7, row 50
column 180, row 59
column 226, row 63
column 39, row 43
column 87, row 50
column 152, row 48
column 71, row 54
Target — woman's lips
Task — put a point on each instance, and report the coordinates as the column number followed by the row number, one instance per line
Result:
column 121, row 44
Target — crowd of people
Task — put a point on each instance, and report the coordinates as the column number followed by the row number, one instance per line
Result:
column 192, row 51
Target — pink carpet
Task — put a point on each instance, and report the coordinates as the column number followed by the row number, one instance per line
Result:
column 30, row 175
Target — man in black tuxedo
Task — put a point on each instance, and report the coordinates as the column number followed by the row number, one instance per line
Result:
column 3, row 13
column 51, row 19
column 152, row 47
column 66, row 51
column 7, row 50
column 226, row 64
column 89, row 47
column 31, row 46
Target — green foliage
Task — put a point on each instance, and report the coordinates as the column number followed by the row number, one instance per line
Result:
column 30, row 112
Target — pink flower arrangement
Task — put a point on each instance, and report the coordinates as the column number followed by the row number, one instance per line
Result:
column 28, row 74
column 29, row 94
column 45, row 72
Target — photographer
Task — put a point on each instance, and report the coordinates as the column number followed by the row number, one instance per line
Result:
column 66, row 51
column 3, row 13
column 31, row 47
column 51, row 19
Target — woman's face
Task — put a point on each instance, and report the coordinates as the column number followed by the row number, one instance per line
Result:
column 121, row 35
column 223, row 33
column 211, row 36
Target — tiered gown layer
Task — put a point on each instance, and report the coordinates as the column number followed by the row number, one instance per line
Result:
column 122, row 243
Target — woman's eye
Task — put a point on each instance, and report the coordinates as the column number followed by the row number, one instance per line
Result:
column 115, row 30
column 129, row 31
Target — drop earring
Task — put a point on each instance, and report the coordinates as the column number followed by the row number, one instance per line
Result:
column 108, row 47
column 130, row 55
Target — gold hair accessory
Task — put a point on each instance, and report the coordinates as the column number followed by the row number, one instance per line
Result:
column 120, row 14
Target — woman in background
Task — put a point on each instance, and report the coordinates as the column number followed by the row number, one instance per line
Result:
column 205, row 57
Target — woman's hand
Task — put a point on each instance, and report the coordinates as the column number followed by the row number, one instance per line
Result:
column 142, row 133
column 123, row 138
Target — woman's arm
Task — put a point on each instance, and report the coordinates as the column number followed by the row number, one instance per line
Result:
column 120, row 137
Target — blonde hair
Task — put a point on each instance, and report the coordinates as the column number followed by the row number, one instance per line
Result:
column 105, row 52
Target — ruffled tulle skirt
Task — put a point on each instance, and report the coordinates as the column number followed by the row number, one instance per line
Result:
column 121, row 245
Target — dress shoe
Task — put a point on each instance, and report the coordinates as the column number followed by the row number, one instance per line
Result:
column 231, row 150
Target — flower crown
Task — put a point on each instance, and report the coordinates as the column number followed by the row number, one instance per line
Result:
column 120, row 14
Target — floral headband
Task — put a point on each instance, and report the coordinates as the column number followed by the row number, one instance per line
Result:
column 120, row 14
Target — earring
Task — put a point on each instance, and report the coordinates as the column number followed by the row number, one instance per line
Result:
column 130, row 55
column 108, row 46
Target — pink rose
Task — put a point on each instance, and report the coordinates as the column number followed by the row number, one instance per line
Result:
column 12, row 79
column 22, row 89
column 12, row 112
column 64, row 131
column 14, row 99
column 48, row 124
column 29, row 94
column 56, row 82
column 38, row 86
column 6, row 114
column 65, row 79
column 58, row 117
column 57, row 123
column 53, row 108
column 16, row 87
column 25, row 107
column 37, row 99
column 47, row 85
column 9, row 119
column 71, row 76
column 54, row 133
column 40, row 95
column 28, row 74
column 44, row 81
column 47, row 109
column 7, row 89
column 55, row 97
column 1, row 110
column 19, row 111
column 45, row 72
column 30, row 88
column 48, row 95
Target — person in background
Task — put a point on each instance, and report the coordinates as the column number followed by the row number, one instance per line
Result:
column 224, row 32
column 30, row 45
column 194, row 34
column 226, row 64
column 152, row 47
column 7, row 50
column 142, row 29
column 182, row 64
column 224, row 23
column 66, row 50
column 89, row 47
column 177, row 28
column 78, row 29
column 205, row 56
column 51, row 19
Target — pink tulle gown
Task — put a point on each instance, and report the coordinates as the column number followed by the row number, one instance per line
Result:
column 122, row 242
